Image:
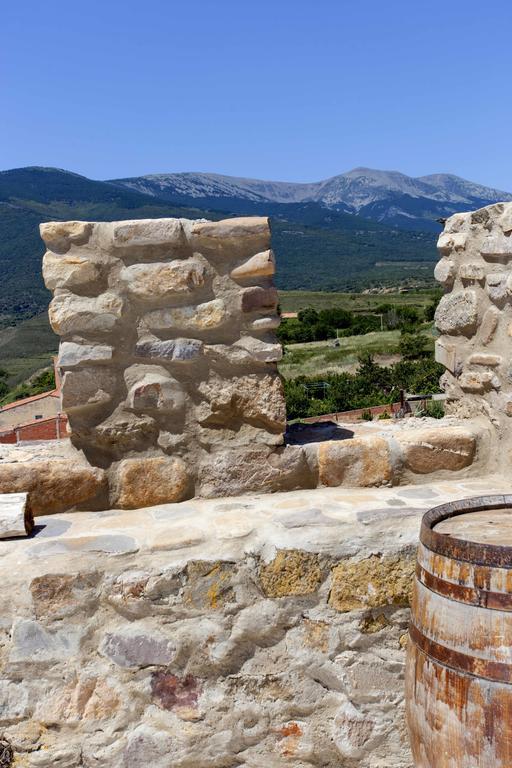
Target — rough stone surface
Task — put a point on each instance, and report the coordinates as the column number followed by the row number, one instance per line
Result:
column 356, row 462
column 427, row 451
column 149, row 481
column 474, row 320
column 167, row 350
column 256, row 643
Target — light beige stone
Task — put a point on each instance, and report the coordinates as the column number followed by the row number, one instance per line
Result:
column 78, row 314
column 457, row 313
column 59, row 236
column 259, row 350
column 446, row 355
column 239, row 235
column 143, row 232
column 359, row 462
column 489, row 325
column 476, row 381
column 445, row 271
column 482, row 358
column 255, row 398
column 53, row 485
column 497, row 247
column 262, row 264
column 472, row 272
column 203, row 317
column 69, row 271
column 88, row 387
column 433, row 450
column 162, row 280
column 72, row 354
column 148, row 481
column 452, row 242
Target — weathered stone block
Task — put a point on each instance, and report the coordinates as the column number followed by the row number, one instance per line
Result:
column 477, row 381
column 77, row 314
column 457, row 313
column 472, row 272
column 143, row 232
column 259, row 299
column 148, row 481
column 260, row 265
column 88, row 387
column 452, row 241
column 53, row 485
column 174, row 350
column 71, row 354
column 497, row 286
column 59, row 236
column 134, row 647
column 497, row 247
column 291, row 572
column 445, row 271
column 244, row 235
column 203, row 317
column 489, row 325
column 357, row 462
column 372, row 583
column 432, row 450
column 68, row 271
column 161, row 281
column 446, row 355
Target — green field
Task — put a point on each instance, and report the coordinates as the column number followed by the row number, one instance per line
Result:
column 319, row 357
column 293, row 301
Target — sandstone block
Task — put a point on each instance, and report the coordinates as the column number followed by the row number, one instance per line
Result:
column 53, row 486
column 243, row 235
column 259, row 350
column 358, row 462
column 452, row 241
column 445, row 271
column 16, row 517
column 257, row 399
column 489, row 325
column 59, row 236
column 263, row 324
column 157, row 281
column 134, row 647
column 59, row 595
column 480, row 358
column 142, row 232
column 239, row 471
column 433, row 450
column 497, row 247
column 457, row 313
column 71, row 354
column 203, row 317
column 477, row 381
column 259, row 299
column 32, row 643
column 87, row 387
column 446, row 355
column 505, row 220
column 173, row 350
column 291, row 572
column 497, row 286
column 372, row 583
column 156, row 391
column 70, row 271
column 78, row 314
column 472, row 272
column 262, row 264
column 459, row 222
column 149, row 481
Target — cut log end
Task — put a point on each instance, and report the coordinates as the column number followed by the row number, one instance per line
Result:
column 16, row 517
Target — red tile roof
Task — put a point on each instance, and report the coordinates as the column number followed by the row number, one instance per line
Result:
column 18, row 403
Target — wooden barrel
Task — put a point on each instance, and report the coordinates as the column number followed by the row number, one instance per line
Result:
column 459, row 658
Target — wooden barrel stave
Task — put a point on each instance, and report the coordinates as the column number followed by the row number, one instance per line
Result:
column 459, row 660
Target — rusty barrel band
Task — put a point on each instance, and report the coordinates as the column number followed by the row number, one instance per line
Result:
column 470, row 551
column 496, row 671
column 494, row 601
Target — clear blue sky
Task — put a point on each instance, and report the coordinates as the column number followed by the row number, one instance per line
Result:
column 281, row 89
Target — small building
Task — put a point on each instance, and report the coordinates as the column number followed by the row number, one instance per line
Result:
column 43, row 406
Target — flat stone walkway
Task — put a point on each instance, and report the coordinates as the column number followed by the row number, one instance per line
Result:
column 332, row 521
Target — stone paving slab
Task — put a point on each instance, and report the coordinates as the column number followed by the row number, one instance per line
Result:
column 331, row 521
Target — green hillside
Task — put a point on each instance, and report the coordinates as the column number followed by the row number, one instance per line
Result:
column 316, row 248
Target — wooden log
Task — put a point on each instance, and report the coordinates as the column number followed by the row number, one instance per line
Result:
column 16, row 517
column 459, row 665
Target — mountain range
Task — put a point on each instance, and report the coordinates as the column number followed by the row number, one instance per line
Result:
column 360, row 228
column 389, row 197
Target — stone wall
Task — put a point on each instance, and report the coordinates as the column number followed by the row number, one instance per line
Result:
column 475, row 318
column 168, row 351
